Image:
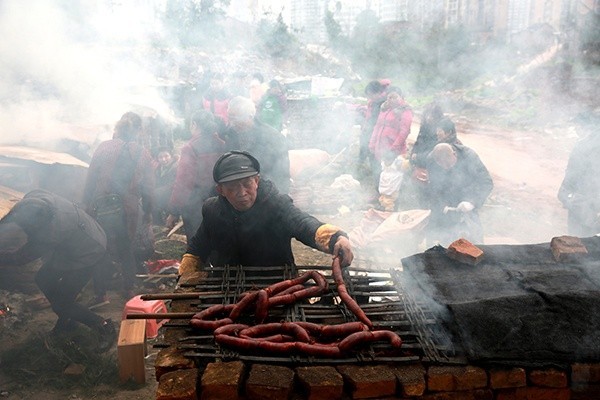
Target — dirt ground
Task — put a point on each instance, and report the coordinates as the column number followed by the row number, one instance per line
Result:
column 527, row 168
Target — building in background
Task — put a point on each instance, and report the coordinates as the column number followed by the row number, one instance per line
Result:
column 484, row 18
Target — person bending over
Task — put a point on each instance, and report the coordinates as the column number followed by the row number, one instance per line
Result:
column 250, row 223
column 72, row 246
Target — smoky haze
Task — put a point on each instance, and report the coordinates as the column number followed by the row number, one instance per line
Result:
column 71, row 69
column 66, row 72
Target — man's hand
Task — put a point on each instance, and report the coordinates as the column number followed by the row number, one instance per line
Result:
column 465, row 206
column 343, row 249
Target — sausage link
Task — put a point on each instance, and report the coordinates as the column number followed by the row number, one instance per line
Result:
column 352, row 305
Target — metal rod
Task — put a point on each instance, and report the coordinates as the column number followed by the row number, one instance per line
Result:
column 178, row 296
column 166, row 315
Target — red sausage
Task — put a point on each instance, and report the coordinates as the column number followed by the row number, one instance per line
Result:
column 289, row 290
column 262, row 306
column 352, row 305
column 236, row 342
column 359, row 338
column 213, row 310
column 210, row 325
column 242, row 305
column 317, row 349
column 343, row 329
column 276, row 327
column 229, row 329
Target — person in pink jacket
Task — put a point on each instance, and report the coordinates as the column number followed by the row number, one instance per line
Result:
column 391, row 130
column 392, row 126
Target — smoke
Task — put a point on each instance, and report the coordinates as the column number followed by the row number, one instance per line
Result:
column 69, row 70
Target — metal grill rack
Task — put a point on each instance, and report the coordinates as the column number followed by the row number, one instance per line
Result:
column 380, row 294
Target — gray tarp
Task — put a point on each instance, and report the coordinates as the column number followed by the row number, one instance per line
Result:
column 518, row 303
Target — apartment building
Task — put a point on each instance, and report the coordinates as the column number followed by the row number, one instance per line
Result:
column 485, row 18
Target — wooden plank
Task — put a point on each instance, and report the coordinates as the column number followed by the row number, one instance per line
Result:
column 131, row 350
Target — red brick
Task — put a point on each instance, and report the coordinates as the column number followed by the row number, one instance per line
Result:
column 222, row 380
column 471, row 378
column 321, row 383
column 464, row 251
column 369, row 381
column 507, row 378
column 178, row 385
column 480, row 394
column 448, row 379
column 511, row 394
column 269, row 382
column 585, row 373
column 566, row 248
column 552, row 378
column 581, row 391
column 536, row 393
column 171, row 359
column 411, row 380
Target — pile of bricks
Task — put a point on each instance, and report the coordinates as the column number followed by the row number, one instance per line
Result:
column 181, row 379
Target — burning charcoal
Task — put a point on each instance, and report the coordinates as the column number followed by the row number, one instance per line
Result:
column 464, row 251
column 567, row 248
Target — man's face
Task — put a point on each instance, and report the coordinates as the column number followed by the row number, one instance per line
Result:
column 164, row 158
column 442, row 135
column 241, row 193
column 447, row 161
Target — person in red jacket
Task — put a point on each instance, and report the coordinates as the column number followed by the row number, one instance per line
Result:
column 391, row 130
column 193, row 182
column 392, row 126
column 119, row 193
column 216, row 98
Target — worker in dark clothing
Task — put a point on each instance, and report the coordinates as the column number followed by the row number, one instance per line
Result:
column 580, row 189
column 72, row 247
column 458, row 186
column 251, row 224
column 246, row 133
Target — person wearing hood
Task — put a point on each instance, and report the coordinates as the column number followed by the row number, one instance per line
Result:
column 459, row 184
column 251, row 224
column 72, row 247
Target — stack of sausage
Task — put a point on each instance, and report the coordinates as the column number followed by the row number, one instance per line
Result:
column 292, row 337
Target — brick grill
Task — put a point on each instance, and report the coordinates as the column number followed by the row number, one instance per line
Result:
column 429, row 366
column 379, row 293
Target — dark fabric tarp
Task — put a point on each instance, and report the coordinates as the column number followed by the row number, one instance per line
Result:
column 518, row 303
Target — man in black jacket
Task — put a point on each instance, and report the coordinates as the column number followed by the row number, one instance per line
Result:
column 72, row 247
column 251, row 224
column 458, row 186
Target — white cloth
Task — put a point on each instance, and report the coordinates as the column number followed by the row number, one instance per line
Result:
column 391, row 177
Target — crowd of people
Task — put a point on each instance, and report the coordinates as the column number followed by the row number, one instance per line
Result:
column 229, row 185
column 437, row 173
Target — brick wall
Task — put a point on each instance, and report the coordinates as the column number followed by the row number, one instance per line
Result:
column 181, row 379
